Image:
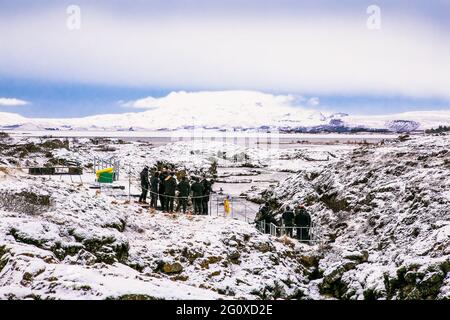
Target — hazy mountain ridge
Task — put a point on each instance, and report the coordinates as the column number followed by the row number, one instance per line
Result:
column 136, row 121
column 230, row 110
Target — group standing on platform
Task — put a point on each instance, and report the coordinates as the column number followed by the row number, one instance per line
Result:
column 163, row 186
column 300, row 220
column 295, row 223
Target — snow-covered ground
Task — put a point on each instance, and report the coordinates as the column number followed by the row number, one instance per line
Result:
column 89, row 245
column 385, row 214
column 94, row 245
column 383, row 209
column 237, row 162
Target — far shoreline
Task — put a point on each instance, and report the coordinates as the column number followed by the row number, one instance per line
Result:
column 196, row 133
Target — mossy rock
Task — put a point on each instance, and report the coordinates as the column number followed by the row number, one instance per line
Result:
column 55, row 144
column 210, row 260
column 23, row 238
column 234, row 257
column 374, row 294
column 308, row 261
column 204, row 264
column 107, row 249
column 119, row 225
column 214, row 274
column 359, row 257
column 332, row 283
column 412, row 285
column 430, row 285
column 180, row 278
column 333, row 202
column 191, row 255
column 170, row 268
column 214, row 259
column 263, row 247
column 3, row 261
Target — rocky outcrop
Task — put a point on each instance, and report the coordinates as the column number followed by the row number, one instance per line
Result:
column 117, row 250
column 385, row 217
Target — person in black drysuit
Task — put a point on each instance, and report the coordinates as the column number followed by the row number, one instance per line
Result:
column 265, row 215
column 197, row 194
column 144, row 185
column 170, row 187
column 154, row 182
column 184, row 189
column 302, row 220
column 288, row 220
column 206, row 192
column 161, row 189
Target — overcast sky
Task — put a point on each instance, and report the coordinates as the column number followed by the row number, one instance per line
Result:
column 130, row 50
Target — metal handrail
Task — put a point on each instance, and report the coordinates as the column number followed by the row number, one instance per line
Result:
column 278, row 231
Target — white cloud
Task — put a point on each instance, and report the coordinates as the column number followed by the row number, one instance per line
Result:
column 315, row 54
column 216, row 100
column 313, row 102
column 12, row 102
column 144, row 103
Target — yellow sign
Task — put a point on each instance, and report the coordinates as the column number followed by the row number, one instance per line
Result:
column 107, row 170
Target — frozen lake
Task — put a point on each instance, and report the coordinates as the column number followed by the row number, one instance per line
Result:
column 163, row 137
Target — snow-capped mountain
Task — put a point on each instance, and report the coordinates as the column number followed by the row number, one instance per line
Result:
column 242, row 110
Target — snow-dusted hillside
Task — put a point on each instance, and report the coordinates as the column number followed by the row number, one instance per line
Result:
column 60, row 239
column 88, row 245
column 228, row 110
column 385, row 211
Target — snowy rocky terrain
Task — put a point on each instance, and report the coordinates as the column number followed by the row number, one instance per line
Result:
column 243, row 169
column 70, row 242
column 60, row 239
column 194, row 156
column 385, row 214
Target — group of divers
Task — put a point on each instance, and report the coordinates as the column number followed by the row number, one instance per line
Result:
column 163, row 186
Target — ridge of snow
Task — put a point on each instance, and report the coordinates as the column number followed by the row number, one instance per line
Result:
column 221, row 110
